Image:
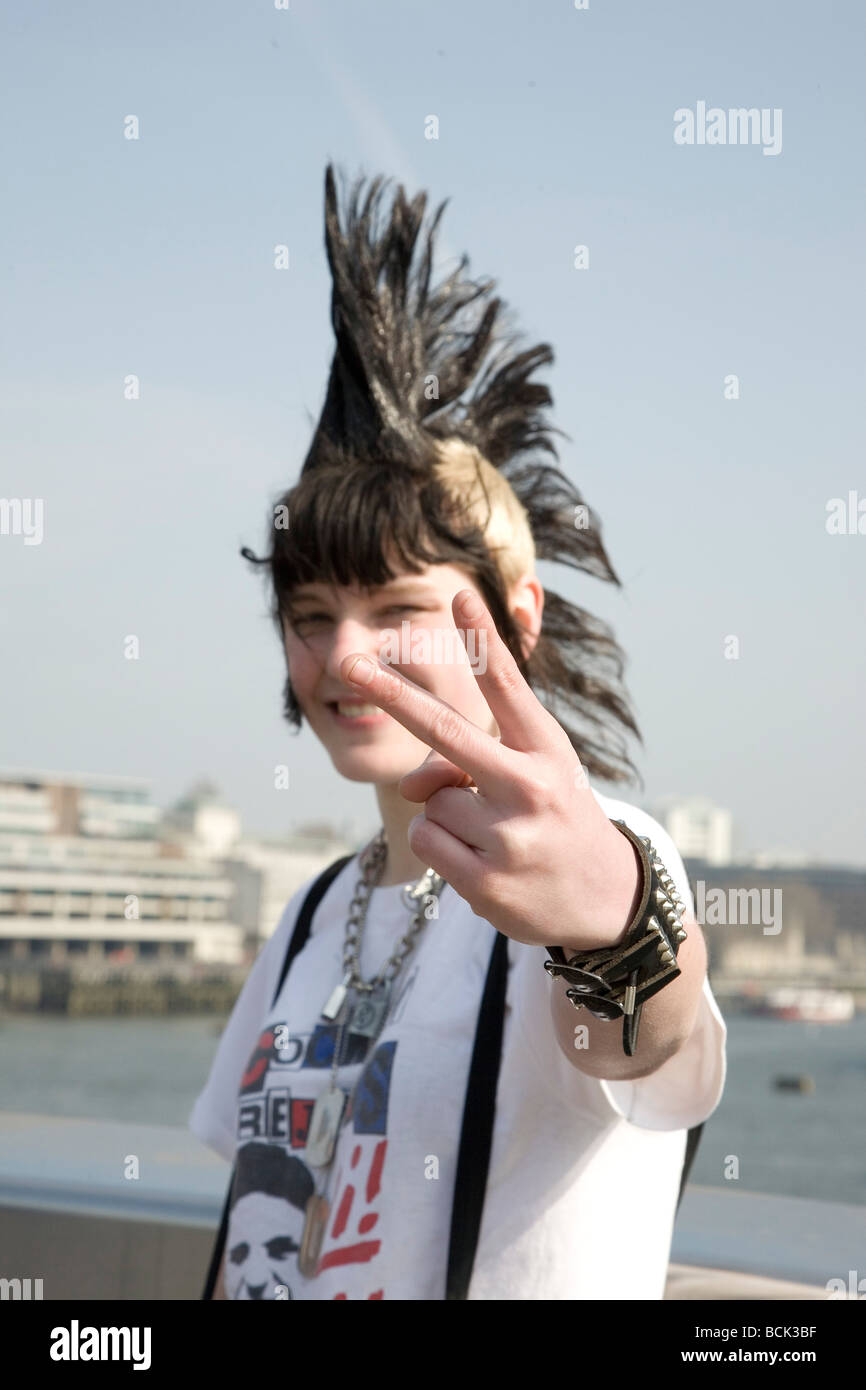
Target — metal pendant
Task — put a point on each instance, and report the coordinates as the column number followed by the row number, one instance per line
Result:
column 315, row 1221
column 414, row 894
column 368, row 1011
column 325, row 1126
column 336, row 998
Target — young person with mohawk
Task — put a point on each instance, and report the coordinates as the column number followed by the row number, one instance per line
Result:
column 467, row 1062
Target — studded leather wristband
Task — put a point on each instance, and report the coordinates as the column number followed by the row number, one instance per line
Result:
column 615, row 981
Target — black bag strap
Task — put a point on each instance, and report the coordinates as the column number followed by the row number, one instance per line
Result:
column 692, row 1141
column 305, row 917
column 476, row 1135
column 297, row 942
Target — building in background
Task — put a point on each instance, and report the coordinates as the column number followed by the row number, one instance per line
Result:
column 772, row 917
column 92, row 871
column 791, row 925
column 265, row 873
column 202, row 823
column 96, row 880
column 698, row 828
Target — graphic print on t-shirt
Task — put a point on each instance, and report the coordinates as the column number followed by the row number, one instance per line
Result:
column 272, row 1185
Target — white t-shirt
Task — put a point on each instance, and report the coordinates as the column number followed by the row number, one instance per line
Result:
column 584, row 1173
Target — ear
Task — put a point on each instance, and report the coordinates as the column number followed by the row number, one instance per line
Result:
column 526, row 603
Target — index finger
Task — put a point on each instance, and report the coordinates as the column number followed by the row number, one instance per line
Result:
column 432, row 720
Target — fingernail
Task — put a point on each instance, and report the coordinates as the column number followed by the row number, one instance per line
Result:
column 361, row 671
column 470, row 605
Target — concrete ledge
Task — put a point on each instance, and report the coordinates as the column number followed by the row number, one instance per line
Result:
column 693, row 1282
column 79, row 1255
column 70, row 1216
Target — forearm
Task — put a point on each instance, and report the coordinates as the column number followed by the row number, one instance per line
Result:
column 594, row 1045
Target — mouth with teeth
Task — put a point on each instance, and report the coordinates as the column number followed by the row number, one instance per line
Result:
column 356, row 713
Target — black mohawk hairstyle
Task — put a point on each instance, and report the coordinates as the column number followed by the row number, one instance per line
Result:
column 416, row 364
column 394, row 332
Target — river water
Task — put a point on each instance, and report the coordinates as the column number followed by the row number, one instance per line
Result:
column 786, row 1142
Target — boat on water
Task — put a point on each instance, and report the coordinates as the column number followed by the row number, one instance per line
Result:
column 805, row 1005
column 805, row 1085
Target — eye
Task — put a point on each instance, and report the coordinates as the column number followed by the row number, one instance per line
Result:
column 281, row 1246
column 313, row 618
column 297, row 621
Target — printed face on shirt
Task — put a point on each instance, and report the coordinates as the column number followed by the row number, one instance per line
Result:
column 270, row 1192
column 264, row 1238
column 408, row 619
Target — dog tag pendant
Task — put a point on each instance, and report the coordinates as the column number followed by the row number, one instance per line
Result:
column 336, row 999
column 315, row 1221
column 368, row 1011
column 325, row 1126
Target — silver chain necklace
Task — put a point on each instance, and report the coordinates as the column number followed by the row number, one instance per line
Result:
column 363, row 1015
column 374, row 994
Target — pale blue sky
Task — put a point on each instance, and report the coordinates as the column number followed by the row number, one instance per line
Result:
column 155, row 257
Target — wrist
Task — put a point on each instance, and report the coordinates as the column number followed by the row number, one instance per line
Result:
column 615, row 980
column 614, row 896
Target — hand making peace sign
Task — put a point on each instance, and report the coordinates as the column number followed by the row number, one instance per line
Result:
column 531, row 850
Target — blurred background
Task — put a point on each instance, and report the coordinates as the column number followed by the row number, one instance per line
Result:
column 166, row 342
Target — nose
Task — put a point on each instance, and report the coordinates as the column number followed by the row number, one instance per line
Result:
column 351, row 635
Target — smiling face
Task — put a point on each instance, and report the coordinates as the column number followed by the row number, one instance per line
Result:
column 407, row 621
